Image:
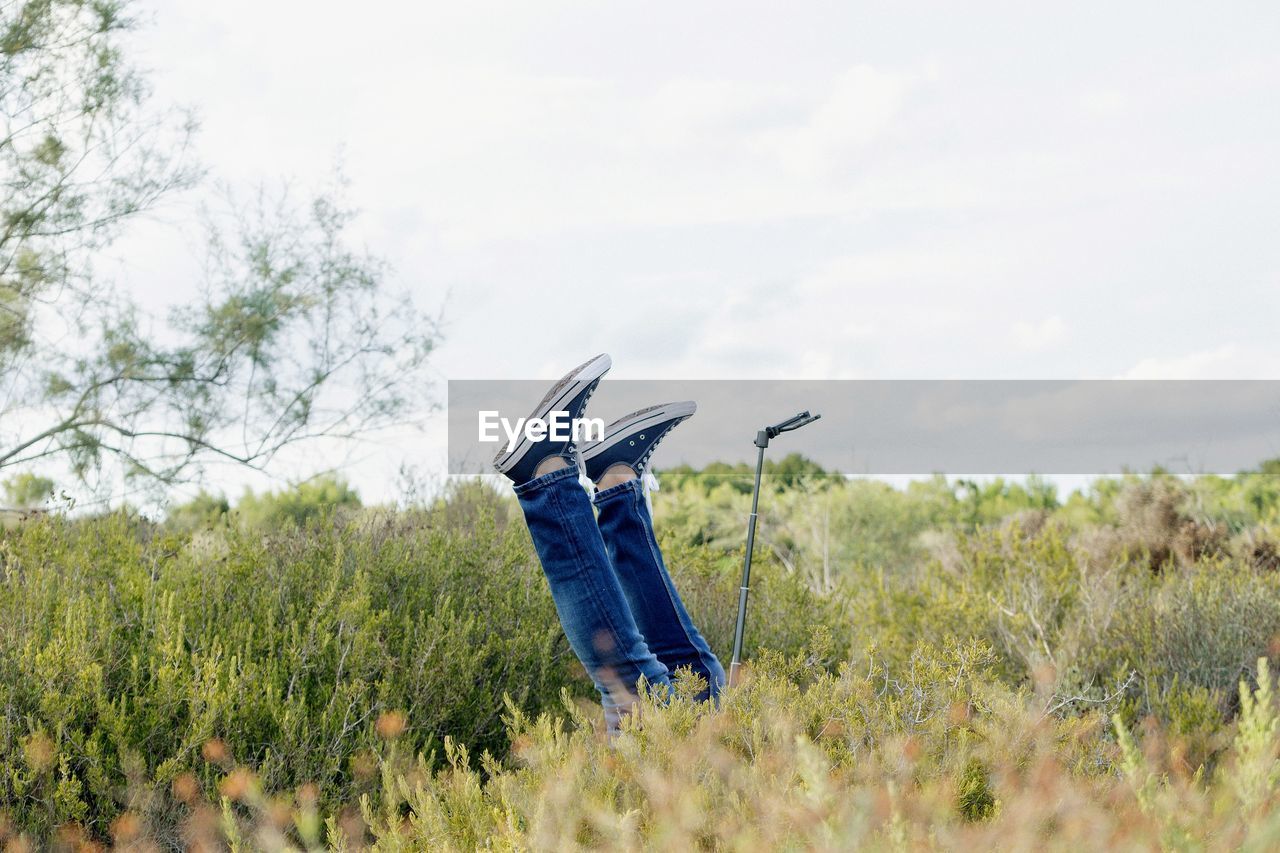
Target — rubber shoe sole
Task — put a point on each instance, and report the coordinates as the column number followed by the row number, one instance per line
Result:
column 584, row 377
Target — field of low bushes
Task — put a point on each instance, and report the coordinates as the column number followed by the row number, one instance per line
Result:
column 954, row 665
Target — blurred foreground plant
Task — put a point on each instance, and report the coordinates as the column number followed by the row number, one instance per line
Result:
column 798, row 758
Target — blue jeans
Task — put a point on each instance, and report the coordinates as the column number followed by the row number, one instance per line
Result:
column 617, row 604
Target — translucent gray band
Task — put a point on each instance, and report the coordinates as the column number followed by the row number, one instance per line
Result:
column 919, row 427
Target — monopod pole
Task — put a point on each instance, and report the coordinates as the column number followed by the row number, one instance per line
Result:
column 745, row 587
column 762, row 441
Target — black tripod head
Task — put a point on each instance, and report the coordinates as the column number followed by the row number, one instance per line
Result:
column 794, row 422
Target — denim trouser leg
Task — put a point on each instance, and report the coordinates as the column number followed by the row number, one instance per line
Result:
column 627, row 530
column 591, row 604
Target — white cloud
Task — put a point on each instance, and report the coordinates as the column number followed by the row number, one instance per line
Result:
column 1034, row 337
column 819, row 193
column 1104, row 102
column 861, row 105
column 1229, row 361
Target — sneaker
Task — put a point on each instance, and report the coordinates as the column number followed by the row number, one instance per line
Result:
column 569, row 395
column 631, row 439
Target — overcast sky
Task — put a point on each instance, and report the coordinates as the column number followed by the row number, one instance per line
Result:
column 765, row 190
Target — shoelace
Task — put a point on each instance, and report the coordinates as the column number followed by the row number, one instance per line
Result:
column 577, row 451
column 649, row 483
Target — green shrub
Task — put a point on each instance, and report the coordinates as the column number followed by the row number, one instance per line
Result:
column 1200, row 628
column 1096, row 632
column 922, row 671
column 1017, row 591
column 202, row 511
column 296, row 505
column 126, row 651
column 27, row 490
column 782, row 610
column 130, row 653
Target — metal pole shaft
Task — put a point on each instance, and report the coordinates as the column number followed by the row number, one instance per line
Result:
column 740, row 627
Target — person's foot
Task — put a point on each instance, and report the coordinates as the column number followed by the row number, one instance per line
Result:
column 569, row 395
column 630, row 440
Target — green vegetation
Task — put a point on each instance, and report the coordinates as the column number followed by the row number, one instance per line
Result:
column 949, row 665
column 27, row 490
column 313, row 499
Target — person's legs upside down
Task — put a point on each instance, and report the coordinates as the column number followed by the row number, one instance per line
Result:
column 607, row 609
column 593, row 610
column 617, row 464
column 591, row 604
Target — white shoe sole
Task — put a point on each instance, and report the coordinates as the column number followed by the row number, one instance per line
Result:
column 569, row 386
